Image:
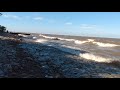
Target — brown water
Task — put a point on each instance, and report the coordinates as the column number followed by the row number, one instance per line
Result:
column 104, row 47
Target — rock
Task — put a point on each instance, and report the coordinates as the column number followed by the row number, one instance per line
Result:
column 55, row 39
column 29, row 58
column 7, row 67
column 14, row 63
column 48, row 76
column 1, row 73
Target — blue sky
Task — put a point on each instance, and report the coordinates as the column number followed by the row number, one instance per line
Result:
column 100, row 24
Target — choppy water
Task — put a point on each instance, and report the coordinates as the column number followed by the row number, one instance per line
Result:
column 97, row 49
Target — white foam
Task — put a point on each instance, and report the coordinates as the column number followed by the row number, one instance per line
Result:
column 34, row 37
column 95, row 57
column 105, row 44
column 90, row 40
column 47, row 37
column 80, row 42
column 67, row 39
column 2, row 37
column 61, row 38
column 41, row 40
column 22, row 35
column 75, row 50
column 89, row 56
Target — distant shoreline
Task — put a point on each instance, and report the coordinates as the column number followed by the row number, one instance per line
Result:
column 67, row 35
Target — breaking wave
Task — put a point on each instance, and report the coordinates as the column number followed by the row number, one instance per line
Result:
column 22, row 35
column 67, row 39
column 95, row 58
column 80, row 42
column 41, row 40
column 105, row 44
column 90, row 40
column 34, row 37
column 88, row 56
column 47, row 37
column 75, row 51
column 74, row 40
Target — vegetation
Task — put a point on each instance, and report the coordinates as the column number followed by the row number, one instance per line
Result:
column 3, row 28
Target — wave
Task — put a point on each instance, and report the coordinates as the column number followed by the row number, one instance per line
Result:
column 48, row 37
column 67, row 39
column 79, row 42
column 82, row 42
column 34, row 37
column 75, row 51
column 22, row 35
column 53, row 38
column 41, row 40
column 95, row 57
column 88, row 56
column 105, row 44
column 90, row 40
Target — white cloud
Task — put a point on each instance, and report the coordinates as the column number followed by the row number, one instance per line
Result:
column 87, row 26
column 11, row 16
column 38, row 18
column 68, row 23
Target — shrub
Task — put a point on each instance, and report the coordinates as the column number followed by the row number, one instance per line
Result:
column 2, row 29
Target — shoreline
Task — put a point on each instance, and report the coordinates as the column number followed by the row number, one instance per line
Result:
column 42, row 61
column 92, row 37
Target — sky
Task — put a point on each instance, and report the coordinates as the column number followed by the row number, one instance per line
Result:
column 95, row 24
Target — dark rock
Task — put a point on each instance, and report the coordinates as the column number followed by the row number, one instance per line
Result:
column 55, row 39
column 29, row 58
column 1, row 73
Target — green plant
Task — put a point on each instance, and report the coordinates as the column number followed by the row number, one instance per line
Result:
column 2, row 29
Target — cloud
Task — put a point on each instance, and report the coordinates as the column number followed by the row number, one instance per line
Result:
column 38, row 18
column 11, row 16
column 68, row 23
column 86, row 26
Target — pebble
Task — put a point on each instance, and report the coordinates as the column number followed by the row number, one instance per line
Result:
column 1, row 73
column 48, row 76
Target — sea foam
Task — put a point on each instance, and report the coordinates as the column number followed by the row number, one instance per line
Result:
column 22, row 35
column 80, row 42
column 105, row 44
column 96, row 58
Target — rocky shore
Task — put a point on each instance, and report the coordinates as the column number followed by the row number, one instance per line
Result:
column 20, row 59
